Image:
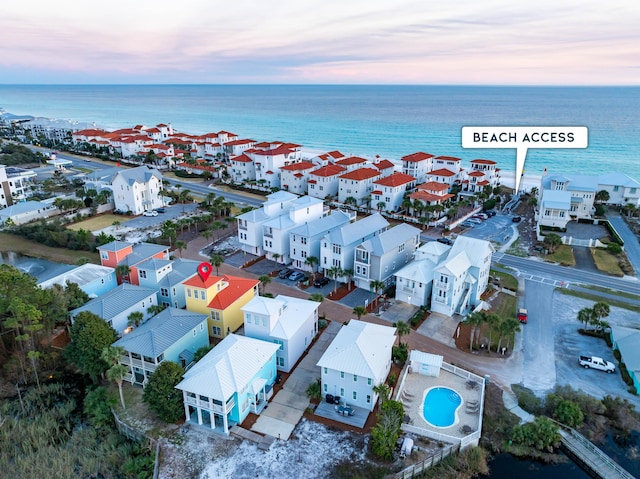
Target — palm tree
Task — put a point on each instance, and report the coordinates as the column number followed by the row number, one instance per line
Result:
column 350, row 201
column 155, row 309
column 493, row 321
column 335, row 271
column 585, row 316
column 600, row 310
column 135, row 318
column 349, row 274
column 312, row 261
column 402, row 329
column 180, row 246
column 359, row 311
column 508, row 327
column 406, row 204
column 122, row 273
column 377, row 286
column 552, row 241
column 317, row 297
column 383, row 391
column 216, row 260
column 381, row 205
column 474, row 320
column 117, row 371
column 264, row 281
column 276, row 256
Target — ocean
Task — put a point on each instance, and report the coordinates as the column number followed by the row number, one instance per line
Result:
column 369, row 121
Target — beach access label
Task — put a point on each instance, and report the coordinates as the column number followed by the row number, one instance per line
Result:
column 524, row 137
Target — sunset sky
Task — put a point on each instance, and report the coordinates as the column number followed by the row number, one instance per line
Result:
column 543, row 42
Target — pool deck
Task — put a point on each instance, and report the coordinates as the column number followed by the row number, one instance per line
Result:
column 412, row 397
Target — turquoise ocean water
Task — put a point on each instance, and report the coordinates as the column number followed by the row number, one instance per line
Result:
column 389, row 121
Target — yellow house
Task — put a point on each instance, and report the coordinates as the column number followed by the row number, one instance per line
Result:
column 221, row 298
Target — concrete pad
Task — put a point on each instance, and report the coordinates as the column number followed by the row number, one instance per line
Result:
column 440, row 327
column 273, row 427
column 283, row 412
column 290, row 399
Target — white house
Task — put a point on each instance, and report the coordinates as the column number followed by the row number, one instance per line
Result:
column 27, row 211
column 379, row 257
column 622, row 188
column 417, row 165
column 583, row 189
column 483, row 173
column 462, row 277
column 337, row 248
column 292, row 323
column 352, row 163
column 250, row 224
column 14, row 184
column 390, row 190
column 232, row 380
column 554, row 209
column 93, row 279
column 116, row 305
column 324, row 181
column 304, row 240
column 357, row 184
column 356, row 361
column 294, row 176
column 242, row 169
column 269, row 161
column 275, row 232
column 137, row 190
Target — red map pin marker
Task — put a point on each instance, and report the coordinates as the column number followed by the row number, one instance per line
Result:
column 204, row 270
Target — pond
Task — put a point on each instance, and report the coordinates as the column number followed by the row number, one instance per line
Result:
column 42, row 269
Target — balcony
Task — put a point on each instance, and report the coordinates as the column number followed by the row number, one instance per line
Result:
column 440, row 299
column 268, row 235
column 441, row 284
column 210, row 405
column 242, row 227
column 138, row 363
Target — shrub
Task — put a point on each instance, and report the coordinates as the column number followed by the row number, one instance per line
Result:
column 568, row 412
column 541, row 434
column 614, row 248
column 527, row 400
column 400, row 353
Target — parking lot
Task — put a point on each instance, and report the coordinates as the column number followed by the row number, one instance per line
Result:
column 496, row 229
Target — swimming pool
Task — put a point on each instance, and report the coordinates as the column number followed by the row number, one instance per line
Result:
column 440, row 406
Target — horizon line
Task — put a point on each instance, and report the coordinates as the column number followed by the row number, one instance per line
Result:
column 460, row 85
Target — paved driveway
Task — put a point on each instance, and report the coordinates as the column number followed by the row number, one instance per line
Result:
column 584, row 260
column 496, row 229
column 285, row 410
column 357, row 297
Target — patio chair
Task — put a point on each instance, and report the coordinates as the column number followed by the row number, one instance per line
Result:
column 473, row 409
column 472, row 402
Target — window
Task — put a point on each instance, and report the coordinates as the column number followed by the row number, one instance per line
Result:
column 201, row 326
column 337, row 249
column 341, row 392
column 202, row 294
column 143, row 274
column 104, row 255
column 355, row 395
column 281, row 343
column 160, row 358
column 401, row 248
column 369, row 381
column 188, row 292
column 215, row 315
column 247, row 317
column 164, row 292
column 264, row 321
column 280, row 362
column 195, row 332
column 325, row 370
column 616, row 188
column 324, row 386
column 342, row 374
column 355, row 378
column 303, row 240
column 215, row 331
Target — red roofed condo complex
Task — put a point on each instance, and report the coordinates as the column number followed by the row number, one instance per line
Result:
column 390, row 191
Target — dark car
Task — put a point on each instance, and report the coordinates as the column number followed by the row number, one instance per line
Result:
column 285, row 273
column 491, row 213
column 516, row 219
column 161, row 210
column 446, row 241
column 320, row 282
column 296, row 276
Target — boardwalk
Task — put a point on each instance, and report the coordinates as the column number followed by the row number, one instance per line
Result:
column 591, row 457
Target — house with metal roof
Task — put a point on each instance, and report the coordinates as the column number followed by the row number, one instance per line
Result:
column 554, row 209
column 626, row 341
column 235, row 378
column 289, row 322
column 123, row 253
column 304, row 240
column 622, row 188
column 171, row 335
column 167, row 276
column 137, row 190
column 221, row 298
column 27, row 211
column 93, row 279
column 378, row 258
column 357, row 360
column 415, row 281
column 116, row 305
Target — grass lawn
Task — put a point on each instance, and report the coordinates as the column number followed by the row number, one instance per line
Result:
column 506, row 306
column 506, row 280
column 96, row 223
column 562, row 255
column 606, row 262
column 17, row 244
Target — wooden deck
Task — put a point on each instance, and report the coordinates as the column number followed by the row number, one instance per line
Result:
column 591, row 457
column 328, row 411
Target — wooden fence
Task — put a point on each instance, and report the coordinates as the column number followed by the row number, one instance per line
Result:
column 131, row 433
column 416, row 470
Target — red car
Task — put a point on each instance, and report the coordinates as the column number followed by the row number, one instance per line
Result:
column 522, row 315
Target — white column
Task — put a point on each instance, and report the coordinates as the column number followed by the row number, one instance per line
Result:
column 225, row 423
column 186, row 411
column 199, row 415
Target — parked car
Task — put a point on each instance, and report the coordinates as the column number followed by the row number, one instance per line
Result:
column 491, row 213
column 467, row 224
column 516, row 219
column 320, row 282
column 296, row 276
column 475, row 220
column 285, row 273
column 150, row 213
column 446, row 241
column 597, row 363
column 522, row 315
column 482, row 216
column 161, row 210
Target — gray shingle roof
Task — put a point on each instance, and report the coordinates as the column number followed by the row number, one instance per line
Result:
column 159, row 333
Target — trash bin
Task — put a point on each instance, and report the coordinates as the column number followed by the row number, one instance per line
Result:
column 329, row 398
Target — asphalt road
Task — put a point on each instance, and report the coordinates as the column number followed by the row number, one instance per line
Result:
column 631, row 245
column 545, row 272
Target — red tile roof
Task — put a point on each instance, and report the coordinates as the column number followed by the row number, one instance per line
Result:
column 239, row 142
column 152, row 130
column 433, row 186
column 269, row 172
column 89, row 132
column 424, row 196
column 352, row 160
column 313, row 182
column 448, row 158
column 416, row 157
column 242, row 159
column 196, row 281
column 483, row 183
column 235, row 289
column 476, row 173
column 301, row 165
column 395, row 179
column 281, row 150
column 383, row 164
column 376, row 192
column 361, row 174
column 483, row 162
column 442, row 172
column 329, row 170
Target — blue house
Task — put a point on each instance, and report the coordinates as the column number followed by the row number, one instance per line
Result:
column 232, row 380
column 93, row 279
column 167, row 277
column 626, row 341
column 172, row 335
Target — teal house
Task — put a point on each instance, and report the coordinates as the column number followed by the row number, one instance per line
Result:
column 232, row 380
column 626, row 341
column 172, row 335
